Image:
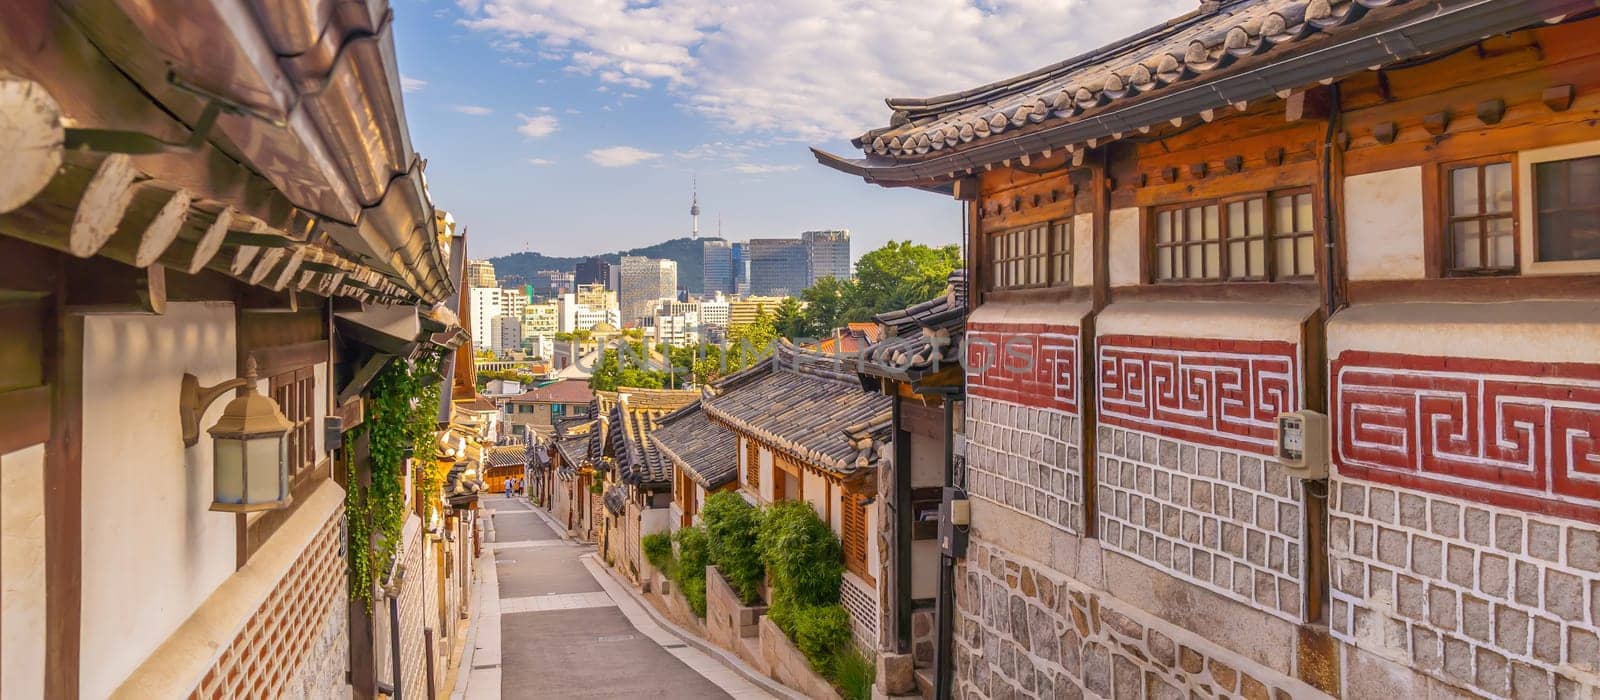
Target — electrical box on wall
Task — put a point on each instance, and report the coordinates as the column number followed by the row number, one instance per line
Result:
column 1302, row 444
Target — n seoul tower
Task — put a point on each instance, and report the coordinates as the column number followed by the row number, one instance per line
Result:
column 694, row 209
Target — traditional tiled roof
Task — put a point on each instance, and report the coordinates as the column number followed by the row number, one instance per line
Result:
column 1240, row 51
column 462, row 481
column 574, row 453
column 600, row 407
column 704, row 450
column 922, row 338
column 801, row 402
column 506, row 456
column 639, row 460
column 564, row 391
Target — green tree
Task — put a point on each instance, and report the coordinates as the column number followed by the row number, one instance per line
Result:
column 827, row 305
column 900, row 274
column 748, row 343
column 625, row 369
column 790, row 319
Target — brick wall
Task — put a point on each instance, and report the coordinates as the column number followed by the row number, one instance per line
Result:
column 1501, row 601
column 1229, row 521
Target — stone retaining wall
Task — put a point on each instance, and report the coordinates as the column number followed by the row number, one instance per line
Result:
column 785, row 664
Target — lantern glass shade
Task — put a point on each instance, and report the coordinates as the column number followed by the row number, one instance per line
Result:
column 250, row 467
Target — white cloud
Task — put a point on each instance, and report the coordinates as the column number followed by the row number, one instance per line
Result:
column 410, row 84
column 620, row 156
column 809, row 69
column 541, row 161
column 473, row 110
column 763, row 168
column 538, row 126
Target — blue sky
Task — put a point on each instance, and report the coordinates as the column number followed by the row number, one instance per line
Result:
column 575, row 126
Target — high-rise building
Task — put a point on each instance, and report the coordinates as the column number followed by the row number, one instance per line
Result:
column 741, row 269
column 489, row 304
column 827, row 255
column 644, row 282
column 779, row 266
column 592, row 271
column 480, row 273
column 716, row 267
column 592, row 304
column 549, row 284
column 507, row 332
column 744, row 310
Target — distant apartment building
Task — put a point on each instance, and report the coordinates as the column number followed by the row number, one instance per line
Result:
column 507, row 330
column 540, row 323
column 591, row 305
column 592, row 271
column 716, row 267
column 596, row 295
column 714, row 313
column 644, row 282
column 744, row 311
column 779, row 266
column 480, row 273
column 677, row 330
column 549, row 284
column 827, row 254
column 488, row 304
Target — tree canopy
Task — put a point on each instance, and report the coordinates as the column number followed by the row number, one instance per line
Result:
column 899, row 274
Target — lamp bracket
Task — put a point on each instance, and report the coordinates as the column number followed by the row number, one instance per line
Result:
column 193, row 399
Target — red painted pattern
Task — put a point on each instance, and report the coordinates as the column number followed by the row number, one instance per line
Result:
column 1521, row 435
column 1226, row 393
column 1033, row 364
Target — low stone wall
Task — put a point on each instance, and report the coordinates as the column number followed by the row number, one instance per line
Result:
column 727, row 618
column 785, row 663
column 669, row 601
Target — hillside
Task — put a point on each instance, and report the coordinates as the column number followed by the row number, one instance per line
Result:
column 519, row 267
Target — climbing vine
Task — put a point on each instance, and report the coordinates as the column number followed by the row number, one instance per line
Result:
column 402, row 406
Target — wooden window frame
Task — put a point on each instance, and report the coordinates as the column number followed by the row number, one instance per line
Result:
column 295, row 392
column 1051, row 262
column 853, row 534
column 1537, row 208
column 1447, row 219
column 1527, row 216
column 1269, row 237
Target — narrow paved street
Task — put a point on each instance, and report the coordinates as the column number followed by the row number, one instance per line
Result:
column 552, row 629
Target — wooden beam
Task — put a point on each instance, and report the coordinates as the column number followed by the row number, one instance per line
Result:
column 163, row 230
column 103, row 204
column 31, row 129
column 100, row 285
column 63, row 509
column 1307, row 104
column 1436, row 123
column 211, row 241
column 1558, row 97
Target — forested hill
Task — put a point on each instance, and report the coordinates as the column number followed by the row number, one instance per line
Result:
column 518, row 268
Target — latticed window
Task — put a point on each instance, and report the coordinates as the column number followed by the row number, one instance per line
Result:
column 296, row 393
column 1480, row 203
column 1033, row 256
column 853, row 535
column 1256, row 238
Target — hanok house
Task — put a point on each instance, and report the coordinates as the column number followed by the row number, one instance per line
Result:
column 807, row 432
column 638, row 495
column 1381, row 212
column 207, row 231
column 917, row 364
column 538, row 410
column 704, row 457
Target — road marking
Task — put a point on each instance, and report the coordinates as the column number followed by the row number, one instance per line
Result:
column 556, row 601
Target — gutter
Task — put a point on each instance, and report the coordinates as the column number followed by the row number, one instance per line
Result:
column 1443, row 29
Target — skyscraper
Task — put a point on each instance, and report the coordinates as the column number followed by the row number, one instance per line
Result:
column 827, row 254
column 716, row 267
column 741, row 268
column 645, row 281
column 779, row 266
column 592, row 271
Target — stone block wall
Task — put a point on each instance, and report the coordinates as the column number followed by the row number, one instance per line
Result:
column 1026, row 458
column 1501, row 601
column 1226, row 520
column 1024, row 631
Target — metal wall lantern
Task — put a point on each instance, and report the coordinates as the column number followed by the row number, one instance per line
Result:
column 250, row 462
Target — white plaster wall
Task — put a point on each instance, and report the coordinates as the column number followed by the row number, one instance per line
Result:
column 1536, row 331
column 1383, row 225
column 814, row 489
column 1083, row 250
column 927, row 464
column 835, row 508
column 873, row 565
column 744, row 462
column 22, row 585
column 764, row 463
column 924, row 568
column 140, row 583
column 1125, row 248
column 1205, row 319
column 320, row 406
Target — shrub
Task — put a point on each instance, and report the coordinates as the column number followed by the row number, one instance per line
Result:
column 732, row 525
column 820, row 631
column 854, row 674
column 658, row 551
column 801, row 555
column 691, row 567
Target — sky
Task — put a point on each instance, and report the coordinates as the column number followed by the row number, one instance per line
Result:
column 570, row 127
